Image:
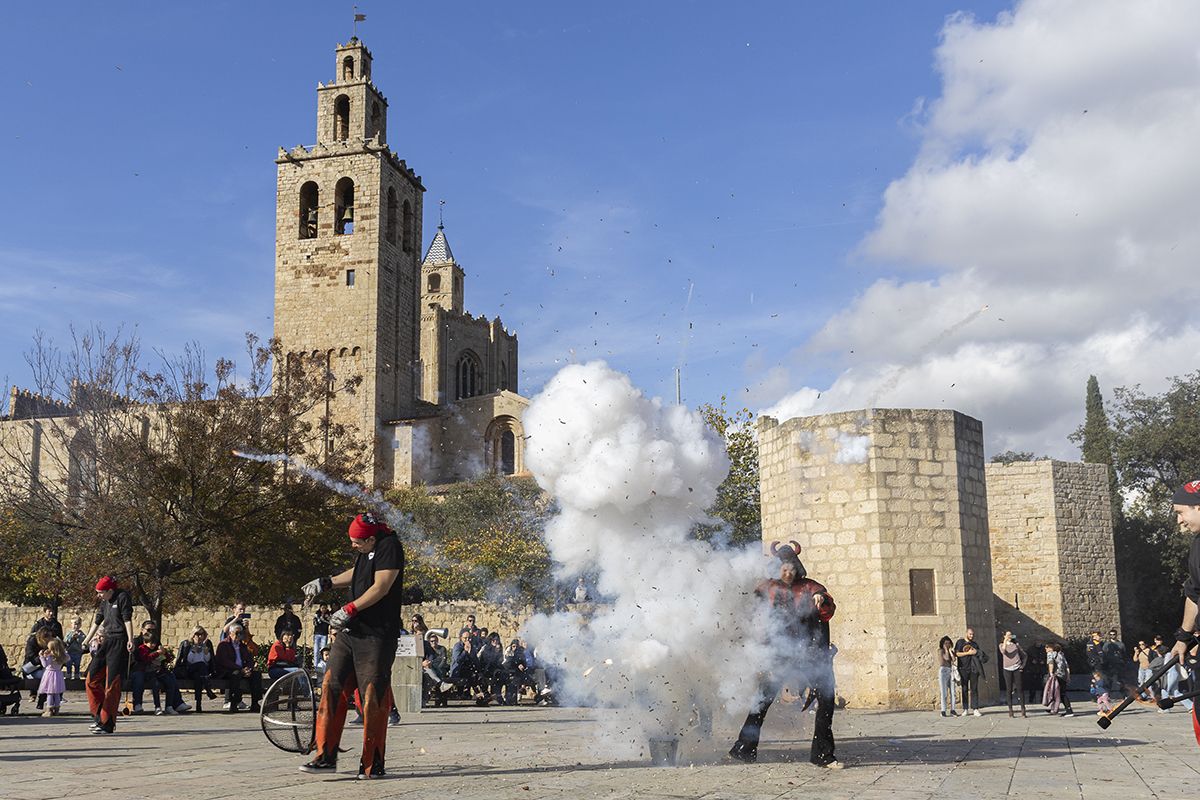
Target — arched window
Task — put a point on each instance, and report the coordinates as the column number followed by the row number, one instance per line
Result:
column 468, row 376
column 376, row 120
column 502, row 446
column 391, row 215
column 341, row 118
column 310, row 203
column 347, row 68
column 343, row 219
column 408, row 226
column 435, row 282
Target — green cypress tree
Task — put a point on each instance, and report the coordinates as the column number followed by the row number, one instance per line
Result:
column 1096, row 441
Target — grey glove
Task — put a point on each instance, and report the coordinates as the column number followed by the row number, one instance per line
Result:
column 316, row 586
column 339, row 619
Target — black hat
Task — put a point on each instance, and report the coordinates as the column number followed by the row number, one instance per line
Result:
column 789, row 553
column 1187, row 495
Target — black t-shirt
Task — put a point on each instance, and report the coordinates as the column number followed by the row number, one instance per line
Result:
column 321, row 624
column 383, row 618
column 969, row 665
column 114, row 613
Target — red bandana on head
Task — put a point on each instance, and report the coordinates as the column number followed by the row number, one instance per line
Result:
column 364, row 526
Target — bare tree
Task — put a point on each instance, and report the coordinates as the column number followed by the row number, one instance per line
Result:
column 129, row 471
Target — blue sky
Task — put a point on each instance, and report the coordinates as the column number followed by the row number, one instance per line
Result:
column 600, row 165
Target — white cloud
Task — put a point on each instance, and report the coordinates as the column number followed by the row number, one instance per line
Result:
column 1058, row 185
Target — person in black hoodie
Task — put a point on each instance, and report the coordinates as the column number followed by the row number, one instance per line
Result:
column 491, row 669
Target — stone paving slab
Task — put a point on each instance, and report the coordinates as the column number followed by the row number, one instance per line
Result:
column 529, row 753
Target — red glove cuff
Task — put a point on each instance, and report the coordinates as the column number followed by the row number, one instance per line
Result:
column 350, row 609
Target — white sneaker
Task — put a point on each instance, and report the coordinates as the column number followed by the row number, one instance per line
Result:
column 242, row 706
column 227, row 706
column 182, row 707
column 170, row 712
column 445, row 687
column 976, row 713
column 834, row 765
column 158, row 712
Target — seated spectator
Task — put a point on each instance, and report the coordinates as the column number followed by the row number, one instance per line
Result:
column 10, row 687
column 464, row 666
column 287, row 621
column 491, row 669
column 235, row 664
column 74, row 644
column 517, row 674
column 434, row 683
column 194, row 662
column 48, row 619
column 31, row 662
column 151, row 665
column 283, row 659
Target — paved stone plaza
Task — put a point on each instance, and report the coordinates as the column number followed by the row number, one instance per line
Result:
column 532, row 752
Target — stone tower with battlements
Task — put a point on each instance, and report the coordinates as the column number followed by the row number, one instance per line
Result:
column 347, row 253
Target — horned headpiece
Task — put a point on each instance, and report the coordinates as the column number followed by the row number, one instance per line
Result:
column 789, row 552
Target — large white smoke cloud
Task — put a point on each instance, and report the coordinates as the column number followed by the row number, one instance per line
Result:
column 1057, row 184
column 632, row 476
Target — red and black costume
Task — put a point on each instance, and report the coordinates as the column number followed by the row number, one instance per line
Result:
column 362, row 654
column 799, row 640
column 110, row 662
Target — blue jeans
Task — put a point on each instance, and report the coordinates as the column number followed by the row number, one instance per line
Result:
column 320, row 640
column 72, row 668
column 167, row 679
column 275, row 673
column 1144, row 674
column 946, row 687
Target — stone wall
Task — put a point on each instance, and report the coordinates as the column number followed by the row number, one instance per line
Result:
column 16, row 621
column 872, row 495
column 1052, row 543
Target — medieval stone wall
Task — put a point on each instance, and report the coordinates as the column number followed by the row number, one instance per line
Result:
column 871, row 496
column 16, row 621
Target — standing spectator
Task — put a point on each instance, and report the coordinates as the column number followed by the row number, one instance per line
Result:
column 1060, row 677
column 48, row 619
column 1115, row 656
column 1034, row 678
column 73, row 641
column 235, row 664
column 320, row 633
column 471, row 628
column 945, row 660
column 283, row 659
column 1095, row 653
column 1099, row 691
column 418, row 627
column 238, row 616
column 194, row 662
column 53, row 658
column 288, row 621
column 581, row 592
column 970, row 670
column 1143, row 654
column 1013, row 658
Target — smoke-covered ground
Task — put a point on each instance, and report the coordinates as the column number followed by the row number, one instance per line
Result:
column 679, row 634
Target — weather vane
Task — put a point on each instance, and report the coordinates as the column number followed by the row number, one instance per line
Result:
column 357, row 19
column 441, row 204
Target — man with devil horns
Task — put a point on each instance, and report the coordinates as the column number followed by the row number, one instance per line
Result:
column 800, row 611
column 362, row 654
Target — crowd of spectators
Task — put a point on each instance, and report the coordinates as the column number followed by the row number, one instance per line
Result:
column 480, row 668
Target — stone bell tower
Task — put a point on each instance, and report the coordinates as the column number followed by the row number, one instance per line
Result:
column 347, row 253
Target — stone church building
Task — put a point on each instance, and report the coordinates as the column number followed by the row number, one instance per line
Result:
column 439, row 392
column 438, row 400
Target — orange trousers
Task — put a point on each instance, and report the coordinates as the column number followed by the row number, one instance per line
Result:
column 108, row 668
column 362, row 665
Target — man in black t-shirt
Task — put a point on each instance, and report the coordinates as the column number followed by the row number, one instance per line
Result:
column 362, row 654
column 111, row 662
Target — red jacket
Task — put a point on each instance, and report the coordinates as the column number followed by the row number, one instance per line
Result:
column 282, row 653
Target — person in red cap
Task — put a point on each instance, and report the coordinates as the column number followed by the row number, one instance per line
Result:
column 111, row 661
column 1186, row 505
column 800, row 611
column 362, row 654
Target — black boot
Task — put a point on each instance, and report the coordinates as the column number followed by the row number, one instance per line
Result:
column 744, row 752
